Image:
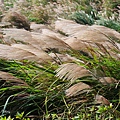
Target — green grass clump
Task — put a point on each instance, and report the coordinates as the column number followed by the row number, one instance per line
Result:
column 83, row 18
column 88, row 19
column 43, row 95
column 109, row 23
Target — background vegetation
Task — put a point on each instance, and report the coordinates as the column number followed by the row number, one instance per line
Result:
column 32, row 91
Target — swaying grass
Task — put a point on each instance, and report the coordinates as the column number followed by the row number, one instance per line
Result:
column 44, row 96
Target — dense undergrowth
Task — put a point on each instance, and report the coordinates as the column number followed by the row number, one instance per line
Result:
column 42, row 95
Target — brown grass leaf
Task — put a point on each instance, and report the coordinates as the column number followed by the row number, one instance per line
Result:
column 109, row 49
column 72, row 71
column 14, row 35
column 52, row 40
column 37, row 52
column 8, row 77
column 64, row 57
column 107, row 80
column 16, row 19
column 46, row 39
column 84, row 32
column 16, row 53
column 107, row 31
column 99, row 99
column 76, row 89
column 68, row 27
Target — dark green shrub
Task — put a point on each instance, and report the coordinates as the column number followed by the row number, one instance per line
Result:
column 83, row 18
